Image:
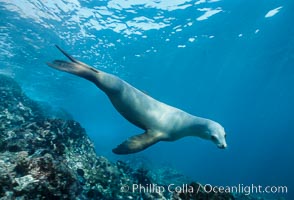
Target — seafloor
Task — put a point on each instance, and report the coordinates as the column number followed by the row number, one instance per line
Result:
column 45, row 156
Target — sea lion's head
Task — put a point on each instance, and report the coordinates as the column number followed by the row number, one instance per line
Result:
column 216, row 133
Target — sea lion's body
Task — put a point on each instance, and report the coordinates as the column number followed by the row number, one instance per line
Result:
column 160, row 121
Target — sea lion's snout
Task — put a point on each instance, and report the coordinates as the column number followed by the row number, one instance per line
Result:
column 222, row 146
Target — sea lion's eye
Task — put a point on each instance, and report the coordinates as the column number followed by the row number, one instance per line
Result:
column 225, row 136
column 213, row 138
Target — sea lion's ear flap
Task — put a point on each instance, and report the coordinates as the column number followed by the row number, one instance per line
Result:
column 137, row 143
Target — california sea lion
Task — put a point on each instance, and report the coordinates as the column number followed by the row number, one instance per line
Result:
column 160, row 121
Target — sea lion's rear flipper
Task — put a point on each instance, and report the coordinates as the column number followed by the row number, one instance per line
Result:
column 137, row 143
column 74, row 67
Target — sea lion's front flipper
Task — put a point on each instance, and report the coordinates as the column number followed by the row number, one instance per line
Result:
column 137, row 143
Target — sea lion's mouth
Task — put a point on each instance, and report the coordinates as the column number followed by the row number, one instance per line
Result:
column 222, row 146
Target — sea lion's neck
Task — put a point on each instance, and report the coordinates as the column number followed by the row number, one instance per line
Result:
column 200, row 127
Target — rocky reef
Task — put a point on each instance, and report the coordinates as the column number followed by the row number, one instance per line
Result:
column 43, row 158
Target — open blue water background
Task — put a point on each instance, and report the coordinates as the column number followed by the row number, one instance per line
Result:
column 230, row 61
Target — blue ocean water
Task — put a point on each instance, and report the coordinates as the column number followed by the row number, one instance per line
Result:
column 230, row 61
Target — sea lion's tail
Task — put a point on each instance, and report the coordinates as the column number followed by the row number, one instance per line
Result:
column 74, row 67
